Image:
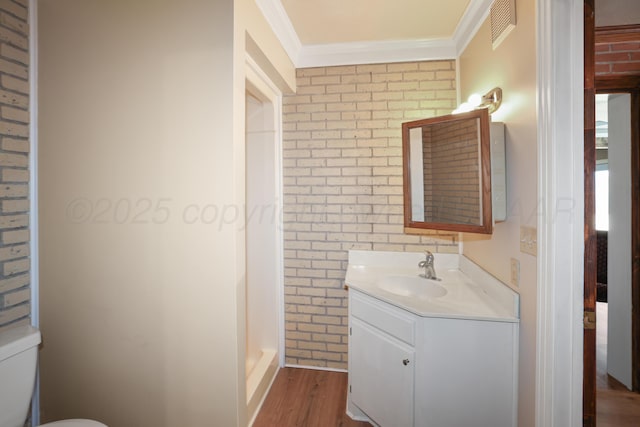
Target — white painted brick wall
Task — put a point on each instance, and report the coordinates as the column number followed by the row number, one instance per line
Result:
column 343, row 188
column 14, row 162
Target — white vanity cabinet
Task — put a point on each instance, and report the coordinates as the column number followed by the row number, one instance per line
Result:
column 381, row 362
column 411, row 370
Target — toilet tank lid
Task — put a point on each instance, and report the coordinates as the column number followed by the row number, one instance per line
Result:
column 18, row 339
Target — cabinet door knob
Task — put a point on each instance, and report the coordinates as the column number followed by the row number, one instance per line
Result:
column 405, row 362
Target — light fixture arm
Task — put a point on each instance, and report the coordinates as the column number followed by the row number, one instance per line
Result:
column 492, row 100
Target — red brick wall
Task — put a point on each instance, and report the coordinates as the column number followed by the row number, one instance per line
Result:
column 618, row 58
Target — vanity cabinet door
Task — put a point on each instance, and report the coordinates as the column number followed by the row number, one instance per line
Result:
column 381, row 371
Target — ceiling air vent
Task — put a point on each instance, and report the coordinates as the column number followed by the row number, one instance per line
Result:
column 503, row 20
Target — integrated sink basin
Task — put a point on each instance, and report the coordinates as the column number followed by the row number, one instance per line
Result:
column 411, row 286
column 462, row 289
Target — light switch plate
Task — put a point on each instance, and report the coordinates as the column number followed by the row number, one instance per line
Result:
column 515, row 272
column 528, row 240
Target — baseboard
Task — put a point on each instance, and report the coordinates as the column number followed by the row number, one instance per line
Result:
column 264, row 397
column 315, row 368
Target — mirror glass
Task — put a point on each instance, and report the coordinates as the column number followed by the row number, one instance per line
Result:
column 447, row 173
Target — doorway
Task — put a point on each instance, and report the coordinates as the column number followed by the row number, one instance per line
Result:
column 626, row 89
column 263, row 228
column 616, row 153
column 618, row 129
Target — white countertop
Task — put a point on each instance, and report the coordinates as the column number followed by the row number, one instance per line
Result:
column 472, row 293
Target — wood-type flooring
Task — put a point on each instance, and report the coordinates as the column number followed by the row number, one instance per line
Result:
column 307, row 398
column 615, row 405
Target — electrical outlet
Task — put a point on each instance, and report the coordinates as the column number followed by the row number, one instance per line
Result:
column 515, row 272
column 528, row 240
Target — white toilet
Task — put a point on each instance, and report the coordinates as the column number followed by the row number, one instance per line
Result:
column 18, row 360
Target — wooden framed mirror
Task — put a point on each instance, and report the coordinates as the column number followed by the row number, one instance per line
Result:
column 447, row 173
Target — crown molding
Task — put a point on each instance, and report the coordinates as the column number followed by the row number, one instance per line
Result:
column 473, row 18
column 618, row 33
column 281, row 25
column 322, row 55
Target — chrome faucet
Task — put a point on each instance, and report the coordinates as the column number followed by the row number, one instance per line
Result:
column 427, row 264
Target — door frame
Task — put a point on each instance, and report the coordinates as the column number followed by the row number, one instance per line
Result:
column 259, row 84
column 559, row 332
column 590, row 248
column 608, row 84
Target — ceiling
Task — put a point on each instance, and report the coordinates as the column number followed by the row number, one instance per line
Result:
column 343, row 32
column 340, row 21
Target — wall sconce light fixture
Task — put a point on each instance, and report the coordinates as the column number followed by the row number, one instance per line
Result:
column 490, row 100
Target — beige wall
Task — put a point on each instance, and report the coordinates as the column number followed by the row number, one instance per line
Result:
column 15, row 292
column 617, row 12
column 343, row 188
column 512, row 66
column 141, row 155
